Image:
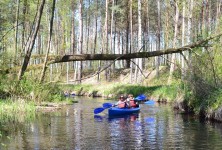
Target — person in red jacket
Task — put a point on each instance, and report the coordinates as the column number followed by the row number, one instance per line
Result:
column 131, row 102
column 122, row 102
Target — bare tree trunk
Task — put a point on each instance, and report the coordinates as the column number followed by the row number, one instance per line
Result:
column 183, row 42
column 189, row 26
column 31, row 42
column 118, row 47
column 106, row 36
column 127, row 33
column 140, row 38
column 73, row 29
column 173, row 59
column 73, row 37
column 131, row 39
column 80, row 40
column 23, row 23
column 111, row 26
column 95, row 37
column 87, row 28
column 16, row 31
column 218, row 13
column 49, row 43
column 158, row 39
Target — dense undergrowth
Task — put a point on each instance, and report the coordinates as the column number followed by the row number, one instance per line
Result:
column 18, row 100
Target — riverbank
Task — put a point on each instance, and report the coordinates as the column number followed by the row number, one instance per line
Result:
column 177, row 94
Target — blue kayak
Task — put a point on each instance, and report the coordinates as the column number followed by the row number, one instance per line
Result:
column 122, row 111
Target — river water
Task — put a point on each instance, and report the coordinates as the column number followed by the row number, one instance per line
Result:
column 75, row 127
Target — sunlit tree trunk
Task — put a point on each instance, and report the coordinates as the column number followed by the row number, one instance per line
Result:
column 95, row 31
column 31, row 42
column 173, row 59
column 87, row 28
column 157, row 61
column 73, row 50
column 139, row 39
column 23, row 23
column 16, row 32
column 80, row 40
column 218, row 13
column 49, row 43
column 106, row 36
column 131, row 39
column 183, row 42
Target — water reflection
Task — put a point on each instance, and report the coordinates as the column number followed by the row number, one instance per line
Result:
column 76, row 127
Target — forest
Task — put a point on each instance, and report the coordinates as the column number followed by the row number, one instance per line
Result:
column 47, row 46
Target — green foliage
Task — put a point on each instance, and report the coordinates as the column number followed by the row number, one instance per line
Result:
column 30, row 90
column 204, row 79
column 116, row 89
column 214, row 101
column 19, row 111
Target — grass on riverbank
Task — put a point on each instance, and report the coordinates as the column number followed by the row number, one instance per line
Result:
column 18, row 100
column 169, row 92
column 16, row 110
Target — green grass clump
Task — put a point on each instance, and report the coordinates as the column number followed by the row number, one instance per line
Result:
column 19, row 110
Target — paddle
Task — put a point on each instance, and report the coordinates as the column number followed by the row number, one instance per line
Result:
column 140, row 97
column 101, row 109
column 150, row 102
column 107, row 105
column 98, row 110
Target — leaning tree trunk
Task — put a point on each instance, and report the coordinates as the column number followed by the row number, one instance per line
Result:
column 31, row 42
column 49, row 43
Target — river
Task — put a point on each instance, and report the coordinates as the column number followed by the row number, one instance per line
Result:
column 75, row 127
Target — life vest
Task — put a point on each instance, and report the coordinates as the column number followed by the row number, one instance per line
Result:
column 122, row 105
column 132, row 103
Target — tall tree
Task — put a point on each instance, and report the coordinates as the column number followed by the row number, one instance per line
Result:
column 106, row 36
column 158, row 38
column 31, row 42
column 173, row 59
column 139, row 62
column 16, row 31
column 131, row 39
column 80, row 45
column 183, row 41
column 73, row 44
column 49, row 42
